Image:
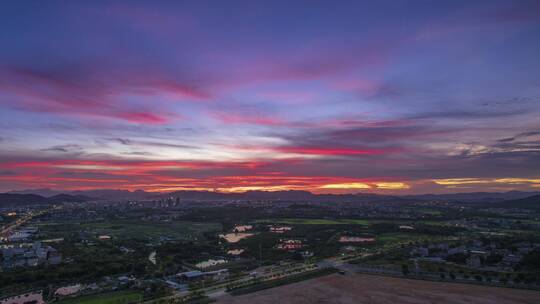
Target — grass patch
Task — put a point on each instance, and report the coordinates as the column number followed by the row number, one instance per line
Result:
column 120, row 297
column 390, row 238
column 131, row 229
column 302, row 221
column 429, row 211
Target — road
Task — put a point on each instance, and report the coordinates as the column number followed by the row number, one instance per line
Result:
column 263, row 274
column 267, row 273
column 275, row 272
column 6, row 231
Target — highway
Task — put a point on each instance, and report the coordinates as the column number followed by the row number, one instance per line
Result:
column 6, row 231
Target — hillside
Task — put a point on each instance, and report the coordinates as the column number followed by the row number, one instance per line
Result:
column 14, row 199
column 531, row 202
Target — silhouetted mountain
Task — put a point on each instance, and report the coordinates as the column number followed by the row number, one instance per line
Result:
column 114, row 194
column 531, row 202
column 46, row 192
column 61, row 198
column 204, row 195
column 249, row 195
column 15, row 199
column 473, row 196
column 291, row 195
column 98, row 193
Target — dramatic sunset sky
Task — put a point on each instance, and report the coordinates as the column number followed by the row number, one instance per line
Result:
column 327, row 96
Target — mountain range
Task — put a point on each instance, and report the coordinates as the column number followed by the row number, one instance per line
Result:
column 47, row 196
column 15, row 199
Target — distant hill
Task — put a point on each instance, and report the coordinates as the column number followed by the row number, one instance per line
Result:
column 15, row 199
column 531, row 202
column 473, row 196
column 112, row 194
column 115, row 194
column 60, row 198
column 291, row 195
column 46, row 192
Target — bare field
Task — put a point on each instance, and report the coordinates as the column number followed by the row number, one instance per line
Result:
column 360, row 288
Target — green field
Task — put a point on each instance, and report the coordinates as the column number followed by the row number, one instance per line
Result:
column 120, row 297
column 429, row 211
column 397, row 237
column 301, row 221
column 436, row 223
column 131, row 229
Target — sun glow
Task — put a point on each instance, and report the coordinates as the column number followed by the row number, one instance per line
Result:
column 534, row 182
column 392, row 186
column 346, row 186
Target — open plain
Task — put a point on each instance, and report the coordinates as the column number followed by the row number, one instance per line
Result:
column 361, row 288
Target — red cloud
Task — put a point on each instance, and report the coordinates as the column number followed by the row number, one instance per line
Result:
column 175, row 88
column 159, row 176
column 140, row 117
column 85, row 93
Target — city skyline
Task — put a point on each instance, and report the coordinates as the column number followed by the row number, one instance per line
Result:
column 393, row 97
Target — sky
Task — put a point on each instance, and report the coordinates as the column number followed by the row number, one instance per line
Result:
column 392, row 96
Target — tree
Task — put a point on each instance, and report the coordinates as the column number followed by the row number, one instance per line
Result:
column 405, row 269
column 519, row 278
column 530, row 278
column 532, row 260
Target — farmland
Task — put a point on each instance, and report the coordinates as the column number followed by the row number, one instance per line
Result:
column 359, row 288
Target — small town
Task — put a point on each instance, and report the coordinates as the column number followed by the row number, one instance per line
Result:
column 174, row 249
